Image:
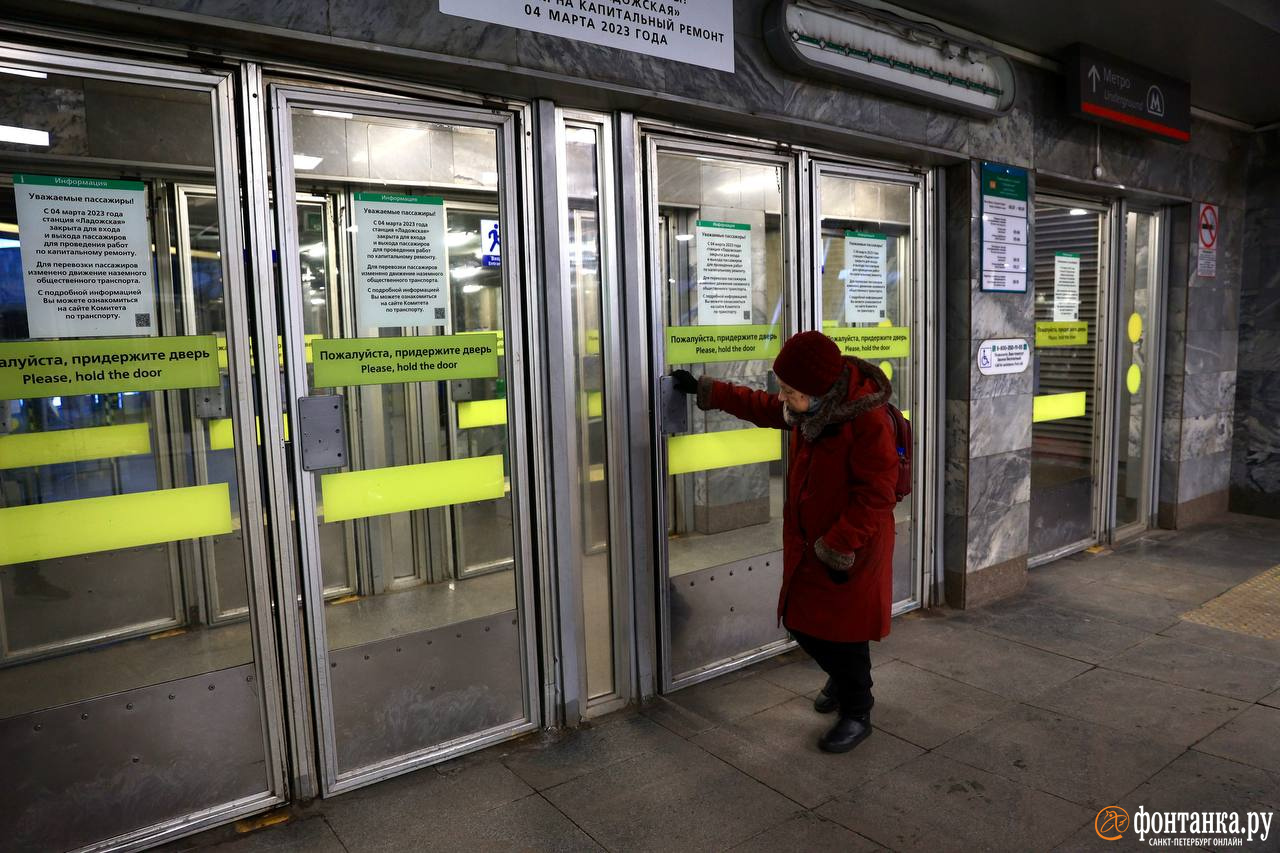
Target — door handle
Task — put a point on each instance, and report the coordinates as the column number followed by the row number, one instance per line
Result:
column 322, row 429
column 673, row 408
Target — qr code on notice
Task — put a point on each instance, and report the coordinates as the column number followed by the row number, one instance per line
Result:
column 746, row 315
column 882, row 314
column 142, row 321
column 439, row 313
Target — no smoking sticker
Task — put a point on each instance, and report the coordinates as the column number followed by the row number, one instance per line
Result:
column 1207, row 241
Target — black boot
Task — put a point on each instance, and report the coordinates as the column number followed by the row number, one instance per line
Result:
column 848, row 732
column 826, row 702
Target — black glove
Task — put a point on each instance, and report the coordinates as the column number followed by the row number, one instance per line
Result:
column 837, row 576
column 685, row 382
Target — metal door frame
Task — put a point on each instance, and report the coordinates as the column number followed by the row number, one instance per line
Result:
column 1103, row 459
column 925, row 416
column 1158, row 283
column 564, row 437
column 654, row 138
column 218, row 86
column 283, row 97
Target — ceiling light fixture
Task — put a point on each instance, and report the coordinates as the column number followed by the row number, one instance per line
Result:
column 23, row 135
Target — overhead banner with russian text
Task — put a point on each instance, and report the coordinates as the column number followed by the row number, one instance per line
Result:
column 699, row 32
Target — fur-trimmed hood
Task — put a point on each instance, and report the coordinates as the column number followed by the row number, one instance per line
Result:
column 861, row 387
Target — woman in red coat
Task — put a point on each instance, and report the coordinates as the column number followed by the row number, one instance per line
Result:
column 838, row 527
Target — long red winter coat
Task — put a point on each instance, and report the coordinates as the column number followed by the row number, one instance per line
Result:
column 839, row 505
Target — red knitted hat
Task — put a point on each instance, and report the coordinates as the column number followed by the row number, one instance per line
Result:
column 809, row 362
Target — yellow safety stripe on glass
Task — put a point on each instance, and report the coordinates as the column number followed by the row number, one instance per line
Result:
column 704, row 451
column 221, row 436
column 29, row 449
column 384, row 491
column 88, row 525
column 1057, row 407
column 481, row 413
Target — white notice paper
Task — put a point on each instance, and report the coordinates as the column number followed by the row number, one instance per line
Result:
column 86, row 257
column 998, row 228
column 1004, row 257
column 699, row 32
column 1066, row 286
column 724, row 273
column 401, row 268
column 865, row 277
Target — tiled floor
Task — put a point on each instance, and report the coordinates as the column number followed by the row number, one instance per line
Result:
column 1005, row 728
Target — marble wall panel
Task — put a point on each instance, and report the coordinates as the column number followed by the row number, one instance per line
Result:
column 1212, row 308
column 1211, row 351
column 1207, row 393
column 998, row 536
column 1206, row 435
column 1203, row 475
column 999, row 425
column 999, row 482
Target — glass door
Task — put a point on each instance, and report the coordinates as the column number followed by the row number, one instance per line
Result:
column 138, row 689
column 1071, row 269
column 409, row 434
column 722, row 296
column 1139, row 317
column 867, row 264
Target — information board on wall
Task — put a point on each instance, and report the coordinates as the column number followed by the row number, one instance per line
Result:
column 699, row 32
column 724, row 273
column 85, row 246
column 865, row 275
column 1066, row 286
column 1004, row 228
column 401, row 266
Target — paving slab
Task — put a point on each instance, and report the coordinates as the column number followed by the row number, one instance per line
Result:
column 310, row 835
column 1071, row 633
column 1251, row 738
column 1080, row 761
column 1232, row 642
column 808, row 833
column 459, row 789
column 1010, row 669
column 779, row 747
column 1140, row 706
column 1272, row 700
column 935, row 804
column 804, row 677
column 1200, row 668
column 550, row 758
column 678, row 799
column 704, row 706
column 1197, row 781
column 1148, row 612
column 928, row 709
column 527, row 824
column 1152, row 578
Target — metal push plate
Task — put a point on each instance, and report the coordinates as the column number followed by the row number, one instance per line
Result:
column 673, row 407
column 322, row 429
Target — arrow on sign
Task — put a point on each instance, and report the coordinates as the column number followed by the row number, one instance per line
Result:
column 1093, row 76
